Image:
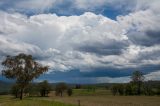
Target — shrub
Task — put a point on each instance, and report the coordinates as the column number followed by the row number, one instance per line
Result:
column 69, row 91
column 114, row 90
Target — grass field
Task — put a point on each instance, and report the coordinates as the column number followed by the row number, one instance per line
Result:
column 100, row 97
column 112, row 100
column 104, row 98
column 29, row 101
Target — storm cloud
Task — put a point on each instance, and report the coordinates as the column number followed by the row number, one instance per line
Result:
column 75, row 38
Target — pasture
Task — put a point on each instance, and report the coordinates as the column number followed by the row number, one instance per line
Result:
column 99, row 97
column 30, row 101
column 102, row 97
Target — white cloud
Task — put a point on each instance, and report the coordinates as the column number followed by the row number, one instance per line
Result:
column 80, row 42
column 10, row 47
column 147, row 4
column 88, row 41
column 147, row 20
column 54, row 29
column 153, row 76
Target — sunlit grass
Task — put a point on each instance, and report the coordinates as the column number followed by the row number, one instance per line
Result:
column 9, row 101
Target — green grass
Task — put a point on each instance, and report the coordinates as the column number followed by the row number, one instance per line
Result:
column 85, row 92
column 10, row 101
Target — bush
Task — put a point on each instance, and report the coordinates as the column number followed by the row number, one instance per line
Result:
column 78, row 86
column 120, row 88
column 44, row 88
column 114, row 90
column 148, row 90
column 69, row 91
column 32, row 90
column 117, row 89
column 128, row 89
column 158, row 91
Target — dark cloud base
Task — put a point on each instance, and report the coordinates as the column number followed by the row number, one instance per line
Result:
column 75, row 76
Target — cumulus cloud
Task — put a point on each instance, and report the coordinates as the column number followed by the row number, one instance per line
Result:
column 86, row 42
column 153, row 76
column 70, row 38
column 10, row 47
column 142, row 25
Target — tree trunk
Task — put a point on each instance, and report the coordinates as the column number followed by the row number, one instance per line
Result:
column 43, row 93
column 79, row 103
column 21, row 94
column 61, row 94
column 139, row 88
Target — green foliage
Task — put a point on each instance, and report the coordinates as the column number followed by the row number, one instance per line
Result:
column 121, row 89
column 117, row 89
column 23, row 69
column 32, row 90
column 137, row 79
column 78, row 86
column 128, row 89
column 15, row 90
column 148, row 90
column 158, row 90
column 44, row 88
column 69, row 91
column 114, row 90
column 136, row 86
column 137, row 76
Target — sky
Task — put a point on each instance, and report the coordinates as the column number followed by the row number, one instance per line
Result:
column 84, row 41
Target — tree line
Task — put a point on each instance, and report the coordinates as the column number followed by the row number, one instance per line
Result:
column 42, row 89
column 24, row 69
column 137, row 86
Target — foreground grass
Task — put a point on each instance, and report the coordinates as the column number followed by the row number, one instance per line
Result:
column 9, row 101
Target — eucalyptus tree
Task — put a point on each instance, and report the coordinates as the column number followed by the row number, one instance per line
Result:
column 44, row 88
column 138, row 78
column 60, row 88
column 23, row 69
